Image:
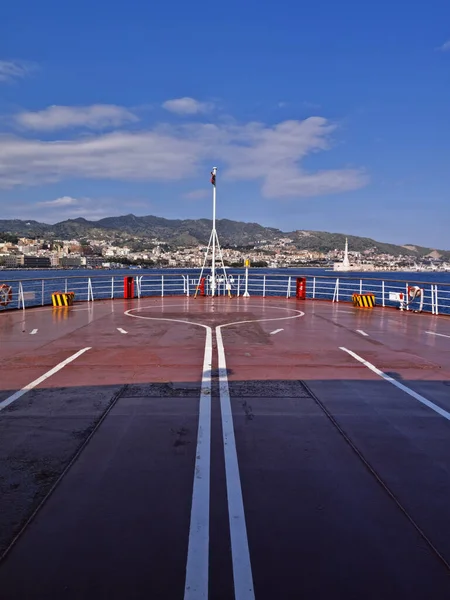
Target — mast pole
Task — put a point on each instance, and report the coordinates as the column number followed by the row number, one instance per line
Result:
column 214, row 235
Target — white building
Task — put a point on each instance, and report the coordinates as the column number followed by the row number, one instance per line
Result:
column 13, row 260
column 346, row 265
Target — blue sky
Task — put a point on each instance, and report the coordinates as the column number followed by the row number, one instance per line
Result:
column 331, row 116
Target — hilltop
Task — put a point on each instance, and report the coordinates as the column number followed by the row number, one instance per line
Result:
column 178, row 232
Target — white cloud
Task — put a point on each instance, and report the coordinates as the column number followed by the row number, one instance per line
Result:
column 197, row 194
column 97, row 116
column 66, row 207
column 187, row 106
column 63, row 201
column 445, row 47
column 118, row 156
column 270, row 155
column 11, row 70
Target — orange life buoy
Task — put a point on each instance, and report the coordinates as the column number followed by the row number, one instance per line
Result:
column 6, row 294
column 414, row 292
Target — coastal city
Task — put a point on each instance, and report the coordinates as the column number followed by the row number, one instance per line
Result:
column 26, row 253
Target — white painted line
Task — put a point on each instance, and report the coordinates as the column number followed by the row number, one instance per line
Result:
column 400, row 386
column 36, row 382
column 33, row 332
column 198, row 548
column 439, row 334
column 298, row 314
column 121, row 330
column 240, row 554
column 362, row 332
column 197, row 566
column 276, row 331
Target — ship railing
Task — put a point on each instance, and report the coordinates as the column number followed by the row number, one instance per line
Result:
column 27, row 293
column 436, row 297
column 38, row 292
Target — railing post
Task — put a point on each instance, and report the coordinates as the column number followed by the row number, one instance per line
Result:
column 360, row 286
column 65, row 286
column 43, row 288
column 264, row 286
column 90, row 291
column 288, row 294
column 112, row 288
column 436, row 298
column 246, row 294
column 239, row 286
column 187, row 286
column 162, row 286
column 314, row 288
column 20, row 297
column 336, row 291
column 406, row 296
column 382, row 293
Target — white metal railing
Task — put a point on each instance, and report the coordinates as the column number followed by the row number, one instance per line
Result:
column 26, row 293
column 435, row 298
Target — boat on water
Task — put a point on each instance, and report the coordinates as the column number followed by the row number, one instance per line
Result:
column 285, row 442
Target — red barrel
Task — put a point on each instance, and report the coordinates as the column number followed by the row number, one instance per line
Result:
column 300, row 288
column 201, row 287
column 128, row 287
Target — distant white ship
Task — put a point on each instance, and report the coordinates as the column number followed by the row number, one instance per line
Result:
column 346, row 265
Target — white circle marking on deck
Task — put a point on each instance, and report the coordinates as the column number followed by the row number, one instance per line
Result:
column 299, row 314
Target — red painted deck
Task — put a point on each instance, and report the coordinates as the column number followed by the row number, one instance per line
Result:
column 343, row 471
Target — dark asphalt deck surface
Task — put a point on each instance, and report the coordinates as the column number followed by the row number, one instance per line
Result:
column 345, row 478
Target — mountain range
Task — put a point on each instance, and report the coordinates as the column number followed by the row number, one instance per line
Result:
column 177, row 232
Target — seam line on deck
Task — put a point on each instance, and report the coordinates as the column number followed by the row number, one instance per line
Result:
column 378, row 477
column 74, row 458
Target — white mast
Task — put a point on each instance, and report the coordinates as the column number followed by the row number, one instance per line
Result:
column 214, row 242
column 213, row 234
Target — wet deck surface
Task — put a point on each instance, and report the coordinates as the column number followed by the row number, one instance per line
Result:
column 321, row 477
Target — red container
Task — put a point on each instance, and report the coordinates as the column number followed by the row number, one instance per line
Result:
column 300, row 289
column 128, row 287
